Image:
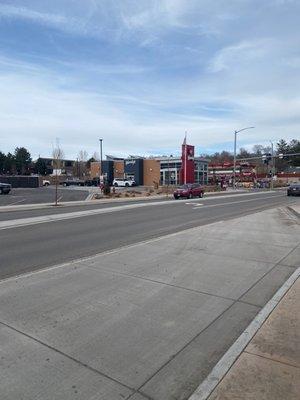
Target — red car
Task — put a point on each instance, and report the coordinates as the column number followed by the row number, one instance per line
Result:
column 189, row 191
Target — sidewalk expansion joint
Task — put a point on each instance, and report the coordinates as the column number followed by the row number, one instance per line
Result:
column 82, row 364
column 270, row 270
column 272, row 359
column 221, row 369
column 166, row 284
column 187, row 344
column 144, row 395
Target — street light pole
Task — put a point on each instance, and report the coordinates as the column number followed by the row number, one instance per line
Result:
column 101, row 164
column 234, row 155
column 234, row 159
column 272, row 169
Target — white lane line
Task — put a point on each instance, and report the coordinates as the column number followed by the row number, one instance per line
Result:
column 79, row 214
column 16, row 202
column 197, row 205
column 206, row 388
column 233, row 202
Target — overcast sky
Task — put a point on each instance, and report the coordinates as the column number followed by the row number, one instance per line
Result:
column 139, row 73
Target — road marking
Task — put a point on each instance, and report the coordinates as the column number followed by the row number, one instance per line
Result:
column 232, row 202
column 16, row 202
column 15, row 223
column 206, row 388
column 197, row 205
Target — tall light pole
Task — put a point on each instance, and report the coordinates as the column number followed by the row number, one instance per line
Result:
column 101, row 163
column 234, row 156
column 273, row 164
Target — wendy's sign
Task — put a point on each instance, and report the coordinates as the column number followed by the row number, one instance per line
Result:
column 187, row 171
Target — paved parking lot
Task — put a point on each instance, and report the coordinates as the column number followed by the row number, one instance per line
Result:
column 41, row 195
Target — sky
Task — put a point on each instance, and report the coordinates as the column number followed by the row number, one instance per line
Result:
column 141, row 73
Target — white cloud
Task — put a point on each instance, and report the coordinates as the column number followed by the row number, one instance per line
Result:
column 34, row 111
column 240, row 54
column 56, row 20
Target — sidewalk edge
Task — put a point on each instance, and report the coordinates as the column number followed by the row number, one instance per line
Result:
column 293, row 211
column 205, row 389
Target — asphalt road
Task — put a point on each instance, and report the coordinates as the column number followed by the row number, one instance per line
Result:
column 37, row 246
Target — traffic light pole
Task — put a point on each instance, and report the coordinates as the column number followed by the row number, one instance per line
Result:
column 234, row 154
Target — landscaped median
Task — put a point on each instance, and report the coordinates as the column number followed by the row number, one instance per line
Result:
column 105, row 200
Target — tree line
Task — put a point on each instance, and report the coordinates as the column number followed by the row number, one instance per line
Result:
column 281, row 147
column 20, row 161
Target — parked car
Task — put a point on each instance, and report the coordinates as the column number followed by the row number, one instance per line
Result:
column 124, row 182
column 189, row 191
column 294, row 189
column 46, row 182
column 5, row 188
column 72, row 182
column 92, row 182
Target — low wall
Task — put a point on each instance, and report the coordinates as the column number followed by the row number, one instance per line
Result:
column 21, row 181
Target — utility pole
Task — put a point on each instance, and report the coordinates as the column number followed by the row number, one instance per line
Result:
column 185, row 158
column 234, row 154
column 234, row 161
column 101, row 163
column 168, row 177
column 272, row 168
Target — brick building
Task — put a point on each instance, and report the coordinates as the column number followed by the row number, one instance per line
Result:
column 151, row 171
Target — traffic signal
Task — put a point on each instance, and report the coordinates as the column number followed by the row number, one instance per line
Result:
column 267, row 158
column 283, row 156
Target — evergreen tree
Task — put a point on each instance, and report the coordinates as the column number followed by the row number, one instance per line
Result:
column 2, row 162
column 23, row 160
column 40, row 167
column 9, row 166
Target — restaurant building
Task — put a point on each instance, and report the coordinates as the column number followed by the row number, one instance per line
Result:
column 156, row 170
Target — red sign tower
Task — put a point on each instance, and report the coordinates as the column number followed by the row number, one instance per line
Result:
column 187, row 171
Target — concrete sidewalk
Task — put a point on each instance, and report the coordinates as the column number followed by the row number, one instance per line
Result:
column 269, row 367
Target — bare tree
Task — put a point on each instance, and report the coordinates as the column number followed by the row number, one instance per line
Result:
column 81, row 163
column 57, row 155
column 82, row 156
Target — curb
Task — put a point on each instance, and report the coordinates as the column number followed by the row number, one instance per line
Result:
column 40, row 206
column 293, row 211
column 205, row 389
